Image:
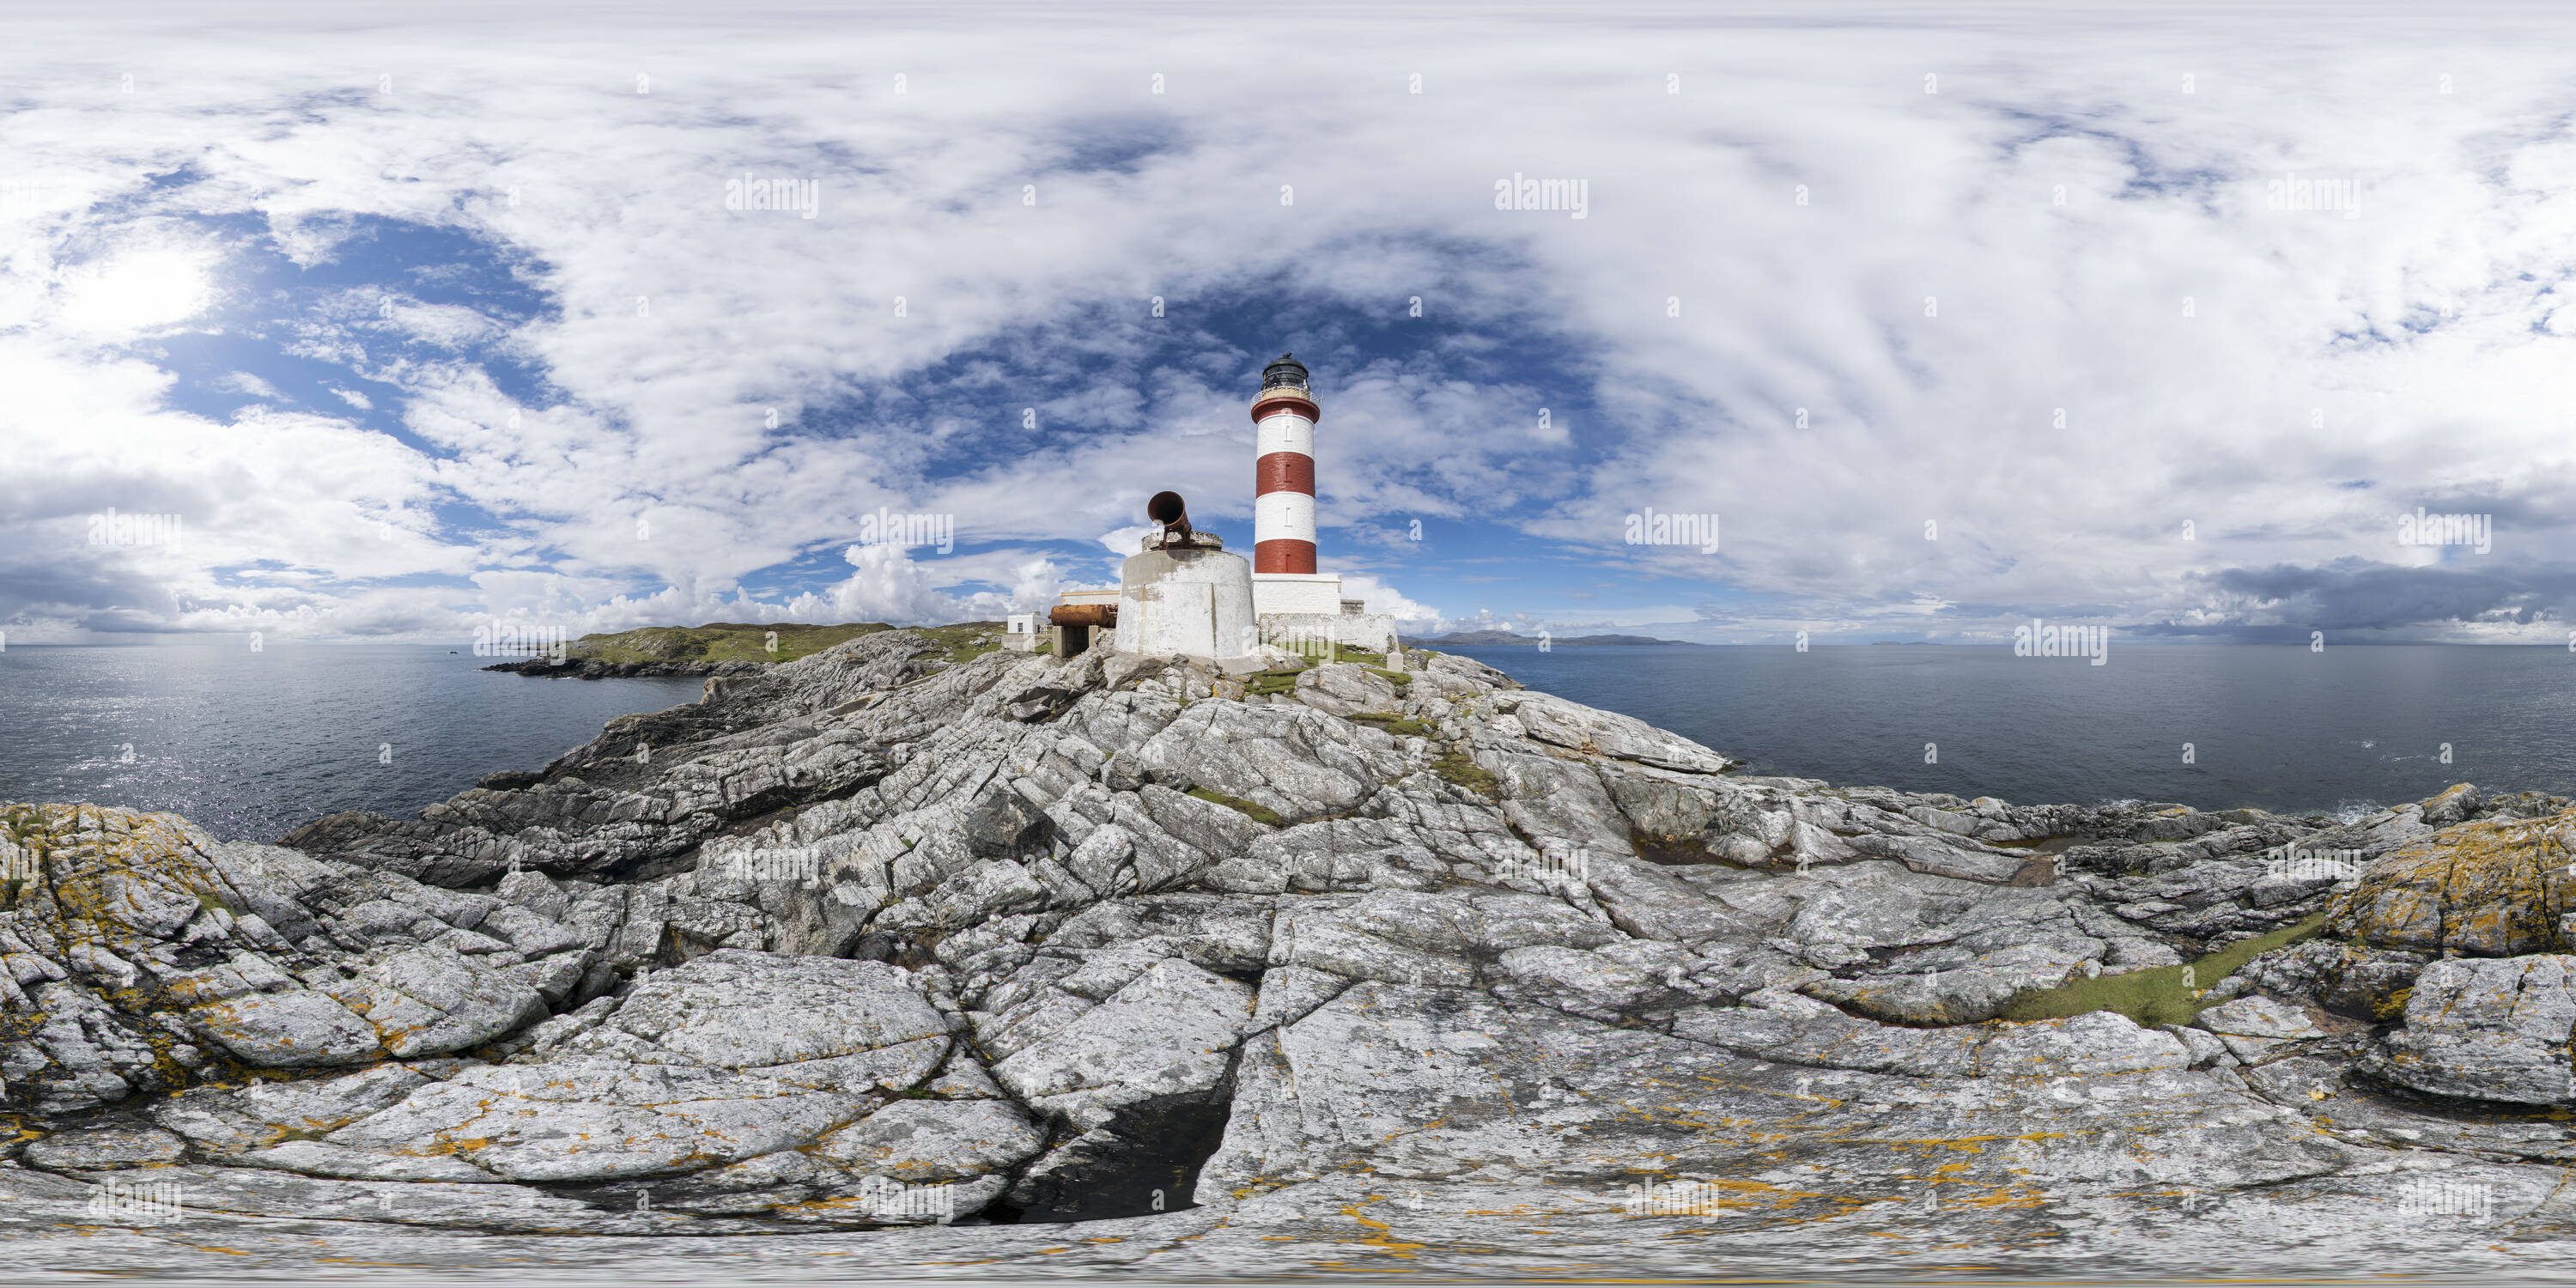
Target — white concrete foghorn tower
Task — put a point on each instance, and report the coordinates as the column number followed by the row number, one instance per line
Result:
column 1284, row 579
column 1183, row 594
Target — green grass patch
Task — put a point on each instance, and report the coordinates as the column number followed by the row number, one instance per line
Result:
column 965, row 641
column 1327, row 651
column 1239, row 805
column 2158, row 995
column 1393, row 723
column 1284, row 679
column 716, row 642
column 1468, row 774
column 1265, row 683
column 767, row 642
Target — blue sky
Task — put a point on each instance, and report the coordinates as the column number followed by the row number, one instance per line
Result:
column 418, row 317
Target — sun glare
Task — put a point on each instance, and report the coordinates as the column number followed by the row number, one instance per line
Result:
column 138, row 291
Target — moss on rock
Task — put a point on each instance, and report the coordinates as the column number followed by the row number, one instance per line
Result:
column 2157, row 995
column 1257, row 813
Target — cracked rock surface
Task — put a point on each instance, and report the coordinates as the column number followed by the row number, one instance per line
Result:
column 1398, row 969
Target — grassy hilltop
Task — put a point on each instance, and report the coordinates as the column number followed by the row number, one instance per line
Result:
column 748, row 642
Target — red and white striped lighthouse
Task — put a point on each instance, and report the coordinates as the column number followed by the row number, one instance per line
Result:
column 1283, row 493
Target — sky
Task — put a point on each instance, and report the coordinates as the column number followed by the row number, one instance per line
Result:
column 381, row 323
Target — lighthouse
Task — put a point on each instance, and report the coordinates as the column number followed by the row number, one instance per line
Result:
column 1290, row 598
column 1183, row 594
column 1283, row 471
column 1284, row 580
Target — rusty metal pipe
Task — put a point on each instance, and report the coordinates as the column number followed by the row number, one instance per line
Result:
column 1083, row 615
column 1168, row 510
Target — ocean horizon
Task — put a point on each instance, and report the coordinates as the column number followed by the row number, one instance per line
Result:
column 252, row 745
column 2342, row 731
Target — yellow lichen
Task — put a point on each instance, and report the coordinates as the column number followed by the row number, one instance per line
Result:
column 2492, row 889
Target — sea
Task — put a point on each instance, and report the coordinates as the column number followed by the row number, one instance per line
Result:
column 2343, row 731
column 251, row 745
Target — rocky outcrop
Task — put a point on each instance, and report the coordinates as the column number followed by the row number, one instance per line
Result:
column 1398, row 965
column 574, row 668
column 2493, row 1029
column 713, row 649
column 2486, row 889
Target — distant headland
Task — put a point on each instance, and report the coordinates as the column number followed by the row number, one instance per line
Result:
column 721, row 648
column 1474, row 639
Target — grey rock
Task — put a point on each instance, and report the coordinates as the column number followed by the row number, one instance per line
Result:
column 427, row 1001
column 223, row 1122
column 1168, row 1031
column 105, row 1149
column 918, row 1141
column 2486, row 1029
column 2257, row 1017
column 1345, row 689
column 289, row 1029
column 1570, row 725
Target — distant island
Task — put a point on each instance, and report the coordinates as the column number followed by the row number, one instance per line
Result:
column 1471, row 639
column 725, row 648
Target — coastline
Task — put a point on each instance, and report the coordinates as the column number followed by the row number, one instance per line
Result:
column 594, row 669
column 939, row 955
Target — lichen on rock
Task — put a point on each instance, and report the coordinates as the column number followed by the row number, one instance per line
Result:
column 896, row 936
column 2499, row 888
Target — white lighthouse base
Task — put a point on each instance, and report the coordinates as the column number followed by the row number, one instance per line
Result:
column 1296, row 592
column 1320, row 633
column 1305, row 611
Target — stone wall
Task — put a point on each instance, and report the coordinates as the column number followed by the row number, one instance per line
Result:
column 1372, row 631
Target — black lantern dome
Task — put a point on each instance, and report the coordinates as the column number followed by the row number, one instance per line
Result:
column 1287, row 371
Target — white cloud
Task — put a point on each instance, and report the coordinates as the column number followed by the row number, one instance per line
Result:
column 136, row 291
column 2428, row 332
column 890, row 585
column 1384, row 598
